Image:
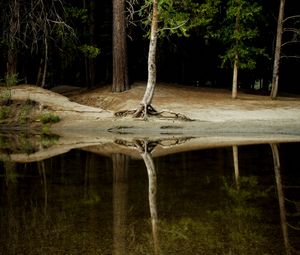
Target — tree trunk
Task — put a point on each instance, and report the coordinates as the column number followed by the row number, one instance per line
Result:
column 14, row 28
column 120, row 72
column 275, row 76
column 92, row 40
column 147, row 99
column 45, row 63
column 235, row 77
column 11, row 66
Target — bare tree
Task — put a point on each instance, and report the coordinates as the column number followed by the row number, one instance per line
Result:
column 11, row 35
column 145, row 106
column 177, row 18
column 275, row 76
column 33, row 25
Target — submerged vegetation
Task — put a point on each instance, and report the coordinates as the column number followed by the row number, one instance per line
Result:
column 24, row 142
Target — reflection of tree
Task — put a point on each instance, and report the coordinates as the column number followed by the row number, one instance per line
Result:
column 145, row 149
column 9, row 168
column 42, row 172
column 235, row 152
column 120, row 197
column 281, row 200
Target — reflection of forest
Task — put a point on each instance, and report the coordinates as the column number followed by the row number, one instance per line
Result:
column 88, row 204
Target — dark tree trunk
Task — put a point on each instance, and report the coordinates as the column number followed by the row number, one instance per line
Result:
column 92, row 40
column 120, row 72
column 11, row 66
column 14, row 27
column 275, row 77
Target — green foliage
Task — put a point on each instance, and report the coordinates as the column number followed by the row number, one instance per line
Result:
column 48, row 140
column 49, row 118
column 24, row 113
column 4, row 112
column 89, row 51
column 5, row 96
column 11, row 80
column 10, row 173
column 248, row 191
column 178, row 17
column 239, row 31
column 80, row 14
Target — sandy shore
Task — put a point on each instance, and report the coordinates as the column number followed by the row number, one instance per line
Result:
column 212, row 110
column 88, row 122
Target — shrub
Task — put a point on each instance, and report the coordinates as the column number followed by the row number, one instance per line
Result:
column 49, row 118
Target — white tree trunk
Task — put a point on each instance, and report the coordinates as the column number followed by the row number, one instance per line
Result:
column 235, row 78
column 147, row 99
column 45, row 63
column 152, row 196
column 275, row 76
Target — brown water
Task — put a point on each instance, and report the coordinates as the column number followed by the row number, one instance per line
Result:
column 198, row 203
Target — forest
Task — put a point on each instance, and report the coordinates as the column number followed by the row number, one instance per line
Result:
column 89, row 43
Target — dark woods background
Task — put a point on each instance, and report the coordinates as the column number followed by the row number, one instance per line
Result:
column 73, row 58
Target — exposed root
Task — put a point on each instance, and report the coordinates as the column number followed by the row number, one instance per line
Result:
column 173, row 115
column 148, row 145
column 146, row 111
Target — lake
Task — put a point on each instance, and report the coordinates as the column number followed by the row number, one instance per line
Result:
column 216, row 199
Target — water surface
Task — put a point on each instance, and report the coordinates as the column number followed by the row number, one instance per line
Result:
column 198, row 202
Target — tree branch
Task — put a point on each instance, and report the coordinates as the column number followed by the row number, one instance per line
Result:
column 291, row 17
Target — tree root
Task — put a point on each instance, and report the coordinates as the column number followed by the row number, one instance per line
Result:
column 146, row 111
column 148, row 145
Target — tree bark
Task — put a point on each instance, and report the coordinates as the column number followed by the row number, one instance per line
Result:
column 92, row 40
column 147, row 99
column 235, row 77
column 45, row 63
column 236, row 61
column 14, row 28
column 120, row 69
column 275, row 77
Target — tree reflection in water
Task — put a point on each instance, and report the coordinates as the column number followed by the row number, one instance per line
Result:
column 281, row 200
column 71, row 207
column 145, row 149
column 120, row 201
